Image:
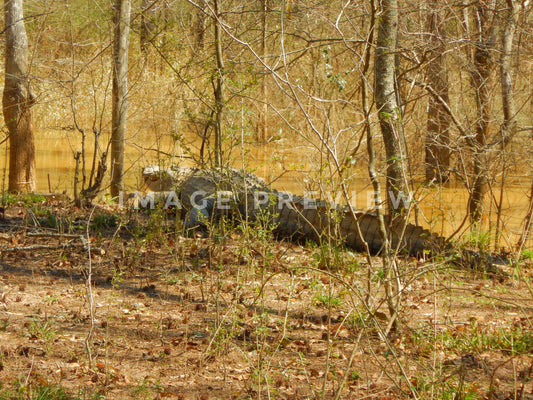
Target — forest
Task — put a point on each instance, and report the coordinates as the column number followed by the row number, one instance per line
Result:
column 407, row 125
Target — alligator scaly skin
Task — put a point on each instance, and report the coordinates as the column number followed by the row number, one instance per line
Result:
column 296, row 217
column 302, row 218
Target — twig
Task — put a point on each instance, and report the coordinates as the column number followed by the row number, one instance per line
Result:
column 43, row 247
column 54, row 234
column 350, row 362
column 159, row 151
column 89, row 291
column 30, row 371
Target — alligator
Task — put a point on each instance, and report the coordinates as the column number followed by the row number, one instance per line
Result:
column 158, row 179
column 207, row 195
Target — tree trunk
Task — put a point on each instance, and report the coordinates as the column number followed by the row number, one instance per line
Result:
column 218, row 87
column 147, row 24
column 199, row 25
column 393, row 298
column 481, row 80
column 121, row 10
column 438, row 122
column 510, row 19
column 385, row 96
column 509, row 126
column 17, row 101
column 263, row 118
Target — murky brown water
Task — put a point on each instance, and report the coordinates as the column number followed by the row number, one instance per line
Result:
column 290, row 166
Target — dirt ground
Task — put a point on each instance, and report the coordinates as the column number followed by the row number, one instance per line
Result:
column 242, row 316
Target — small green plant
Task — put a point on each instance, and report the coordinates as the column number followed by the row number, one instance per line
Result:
column 146, row 388
column 52, row 299
column 52, row 392
column 478, row 239
column 452, row 389
column 26, row 199
column 328, row 256
column 117, row 278
column 379, row 275
column 224, row 339
column 4, row 323
column 527, row 254
column 20, row 391
column 104, row 221
column 52, row 220
column 173, row 279
column 6, row 393
column 359, row 320
column 156, row 227
column 262, row 229
column 355, row 375
column 328, row 300
column 42, row 329
column 474, row 338
column 86, row 393
column 352, row 265
column 142, row 390
column 34, row 204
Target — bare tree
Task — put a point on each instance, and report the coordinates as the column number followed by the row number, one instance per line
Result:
column 17, row 101
column 385, row 96
column 481, row 78
column 199, row 25
column 122, row 10
column 262, row 134
column 392, row 297
column 147, row 24
column 510, row 124
column 438, row 123
column 510, row 18
column 218, row 85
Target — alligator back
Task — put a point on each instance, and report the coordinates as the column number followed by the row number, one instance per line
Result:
column 299, row 218
column 175, row 177
column 205, row 183
column 291, row 217
column 302, row 218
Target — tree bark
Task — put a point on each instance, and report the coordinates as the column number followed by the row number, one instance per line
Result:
column 510, row 124
column 392, row 300
column 122, row 10
column 147, row 24
column 385, row 96
column 510, row 19
column 263, row 118
column 218, row 87
column 199, row 25
column 438, row 122
column 482, row 82
column 17, row 101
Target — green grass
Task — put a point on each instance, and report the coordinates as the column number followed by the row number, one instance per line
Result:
column 104, row 221
column 452, row 389
column 41, row 392
column 527, row 254
column 328, row 300
column 478, row 239
column 26, row 199
column 51, row 393
column 42, row 329
column 475, row 338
